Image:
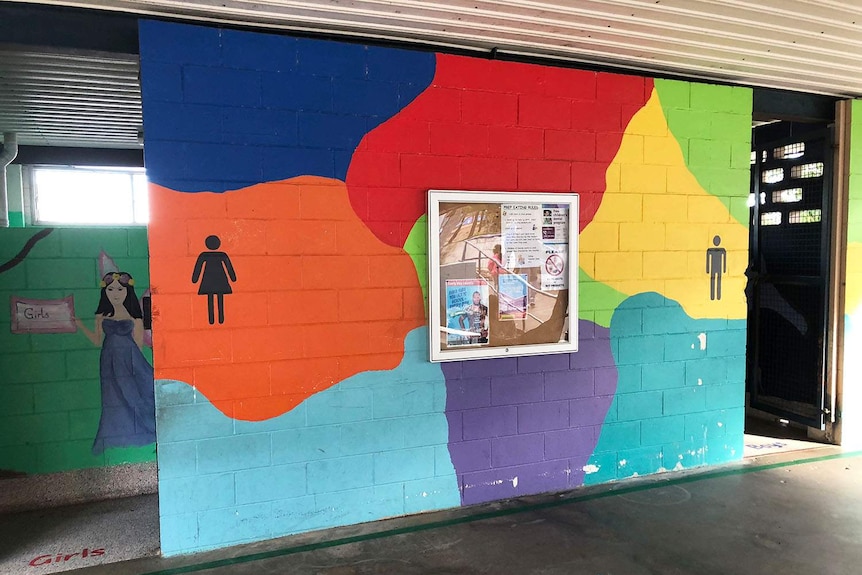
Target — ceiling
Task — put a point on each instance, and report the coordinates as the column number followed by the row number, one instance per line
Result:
column 83, row 96
column 803, row 45
column 69, row 97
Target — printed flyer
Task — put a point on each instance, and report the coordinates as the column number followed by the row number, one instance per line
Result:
column 466, row 312
column 555, row 223
column 512, row 290
column 554, row 273
column 521, row 235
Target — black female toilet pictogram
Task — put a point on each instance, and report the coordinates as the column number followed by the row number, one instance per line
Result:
column 216, row 268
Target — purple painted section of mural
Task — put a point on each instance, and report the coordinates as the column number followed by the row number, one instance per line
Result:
column 527, row 425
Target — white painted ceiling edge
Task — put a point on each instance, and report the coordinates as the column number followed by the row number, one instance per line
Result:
column 803, row 45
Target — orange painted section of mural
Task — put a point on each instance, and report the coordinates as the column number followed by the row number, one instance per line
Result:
column 304, row 264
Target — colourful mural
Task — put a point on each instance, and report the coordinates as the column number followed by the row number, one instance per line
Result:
column 852, row 420
column 66, row 403
column 313, row 404
column 317, row 298
column 126, row 377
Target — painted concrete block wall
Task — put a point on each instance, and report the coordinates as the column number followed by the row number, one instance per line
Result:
column 313, row 403
column 852, row 397
column 50, row 398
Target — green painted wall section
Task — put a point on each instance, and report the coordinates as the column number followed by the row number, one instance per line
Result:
column 713, row 127
column 417, row 247
column 854, row 212
column 50, row 398
column 16, row 219
column 596, row 300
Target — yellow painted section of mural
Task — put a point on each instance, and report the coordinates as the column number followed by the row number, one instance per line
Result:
column 672, row 237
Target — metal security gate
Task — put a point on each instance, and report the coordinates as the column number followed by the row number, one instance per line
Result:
column 788, row 277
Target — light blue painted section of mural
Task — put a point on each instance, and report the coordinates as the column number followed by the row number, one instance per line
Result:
column 372, row 446
column 681, row 394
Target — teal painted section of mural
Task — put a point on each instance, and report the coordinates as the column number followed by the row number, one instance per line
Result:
column 679, row 397
column 50, row 399
column 713, row 127
column 370, row 447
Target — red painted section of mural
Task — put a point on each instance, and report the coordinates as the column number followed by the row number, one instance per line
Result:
column 490, row 125
column 317, row 297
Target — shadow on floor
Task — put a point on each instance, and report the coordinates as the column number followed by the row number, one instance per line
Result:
column 764, row 428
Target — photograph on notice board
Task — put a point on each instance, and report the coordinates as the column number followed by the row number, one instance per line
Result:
column 500, row 265
column 512, row 291
column 466, row 312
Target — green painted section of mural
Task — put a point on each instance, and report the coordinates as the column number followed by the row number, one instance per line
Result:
column 713, row 127
column 596, row 300
column 417, row 247
column 50, row 397
column 854, row 211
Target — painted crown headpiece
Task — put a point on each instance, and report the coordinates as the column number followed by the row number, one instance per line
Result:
column 123, row 277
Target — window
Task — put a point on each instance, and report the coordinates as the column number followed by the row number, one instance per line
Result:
column 96, row 196
column 770, row 219
column 787, row 196
column 814, row 170
column 804, row 217
column 772, row 176
column 789, row 152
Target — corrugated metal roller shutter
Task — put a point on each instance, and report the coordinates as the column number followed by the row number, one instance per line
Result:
column 792, row 44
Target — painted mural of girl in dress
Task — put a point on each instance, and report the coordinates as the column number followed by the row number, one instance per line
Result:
column 128, row 399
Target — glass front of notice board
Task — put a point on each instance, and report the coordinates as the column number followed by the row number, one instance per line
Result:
column 502, row 274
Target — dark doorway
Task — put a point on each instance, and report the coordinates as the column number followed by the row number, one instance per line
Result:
column 789, row 266
column 788, row 273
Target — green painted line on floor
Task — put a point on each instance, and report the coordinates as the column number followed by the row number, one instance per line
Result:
column 743, row 470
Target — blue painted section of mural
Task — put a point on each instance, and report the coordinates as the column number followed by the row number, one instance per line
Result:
column 230, row 109
column 370, row 447
column 679, row 395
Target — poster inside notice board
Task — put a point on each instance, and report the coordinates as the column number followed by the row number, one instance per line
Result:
column 502, row 274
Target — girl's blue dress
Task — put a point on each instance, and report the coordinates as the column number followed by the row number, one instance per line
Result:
column 128, row 391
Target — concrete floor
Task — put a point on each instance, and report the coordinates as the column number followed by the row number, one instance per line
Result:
column 775, row 514
column 55, row 540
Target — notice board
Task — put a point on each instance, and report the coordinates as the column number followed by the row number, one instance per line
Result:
column 503, row 271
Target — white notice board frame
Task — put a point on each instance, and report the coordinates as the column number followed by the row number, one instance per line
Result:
column 440, row 351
